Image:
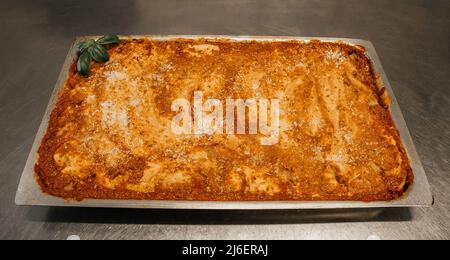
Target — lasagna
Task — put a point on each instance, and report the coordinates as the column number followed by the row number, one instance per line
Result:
column 110, row 134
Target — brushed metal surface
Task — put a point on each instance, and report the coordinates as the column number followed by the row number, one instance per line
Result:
column 418, row 195
column 412, row 40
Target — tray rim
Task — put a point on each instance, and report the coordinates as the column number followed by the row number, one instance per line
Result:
column 418, row 195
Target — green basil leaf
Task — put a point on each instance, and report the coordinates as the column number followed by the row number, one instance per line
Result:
column 83, row 64
column 108, row 39
column 83, row 46
column 98, row 53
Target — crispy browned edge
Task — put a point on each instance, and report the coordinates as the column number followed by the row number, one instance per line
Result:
column 360, row 51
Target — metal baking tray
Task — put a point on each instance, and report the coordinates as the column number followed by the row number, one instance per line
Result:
column 419, row 194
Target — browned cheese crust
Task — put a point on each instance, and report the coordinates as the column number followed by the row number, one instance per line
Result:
column 109, row 136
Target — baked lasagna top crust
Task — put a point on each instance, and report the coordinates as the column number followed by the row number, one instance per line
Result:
column 110, row 137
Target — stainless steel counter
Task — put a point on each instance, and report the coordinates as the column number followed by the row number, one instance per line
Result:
column 411, row 36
